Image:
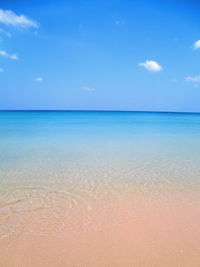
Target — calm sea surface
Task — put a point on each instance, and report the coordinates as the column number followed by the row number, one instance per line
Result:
column 99, row 189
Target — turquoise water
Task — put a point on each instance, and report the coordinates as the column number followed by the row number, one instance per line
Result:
column 49, row 147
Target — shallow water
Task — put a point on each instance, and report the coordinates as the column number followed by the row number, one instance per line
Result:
column 99, row 189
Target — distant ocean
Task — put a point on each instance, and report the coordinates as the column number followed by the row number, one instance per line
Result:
column 83, row 188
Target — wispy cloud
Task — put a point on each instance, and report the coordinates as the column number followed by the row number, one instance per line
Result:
column 1, row 70
column 11, row 56
column 119, row 22
column 2, row 31
column 8, row 17
column 173, row 81
column 193, row 79
column 89, row 88
column 151, row 66
column 196, row 45
column 39, row 79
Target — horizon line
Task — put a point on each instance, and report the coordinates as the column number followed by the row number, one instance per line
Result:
column 96, row 110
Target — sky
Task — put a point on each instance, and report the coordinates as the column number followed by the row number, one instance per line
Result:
column 140, row 55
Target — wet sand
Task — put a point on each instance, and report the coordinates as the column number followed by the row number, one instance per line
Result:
column 111, row 228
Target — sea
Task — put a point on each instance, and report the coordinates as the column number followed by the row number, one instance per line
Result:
column 99, row 189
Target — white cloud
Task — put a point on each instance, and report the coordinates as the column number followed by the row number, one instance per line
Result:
column 1, row 70
column 89, row 88
column 151, row 65
column 5, row 54
column 39, row 79
column 196, row 45
column 8, row 17
column 194, row 79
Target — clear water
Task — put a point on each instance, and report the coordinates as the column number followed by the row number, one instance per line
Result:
column 57, row 169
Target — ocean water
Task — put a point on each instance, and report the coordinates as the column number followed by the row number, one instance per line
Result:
column 99, row 189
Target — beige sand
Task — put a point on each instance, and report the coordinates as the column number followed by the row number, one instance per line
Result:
column 132, row 229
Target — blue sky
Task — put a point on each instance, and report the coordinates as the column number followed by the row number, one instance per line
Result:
column 100, row 55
